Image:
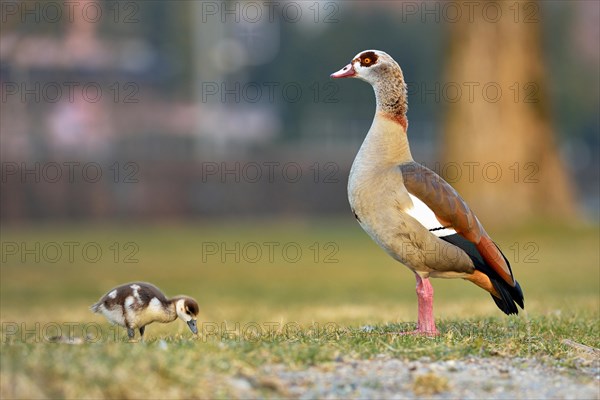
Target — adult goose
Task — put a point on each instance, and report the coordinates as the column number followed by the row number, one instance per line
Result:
column 409, row 210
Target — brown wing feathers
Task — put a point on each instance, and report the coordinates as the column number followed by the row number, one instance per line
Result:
column 492, row 255
column 451, row 210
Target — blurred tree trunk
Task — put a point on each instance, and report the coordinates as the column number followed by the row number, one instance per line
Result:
column 499, row 148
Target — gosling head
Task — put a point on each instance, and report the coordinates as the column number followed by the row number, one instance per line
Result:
column 187, row 309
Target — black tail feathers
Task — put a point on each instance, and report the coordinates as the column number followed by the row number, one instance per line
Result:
column 508, row 296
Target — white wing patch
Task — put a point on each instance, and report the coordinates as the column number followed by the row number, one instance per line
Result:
column 113, row 294
column 129, row 301
column 426, row 217
column 136, row 293
column 155, row 306
column 129, row 312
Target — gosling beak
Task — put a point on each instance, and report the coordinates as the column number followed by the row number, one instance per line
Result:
column 346, row 72
column 192, row 324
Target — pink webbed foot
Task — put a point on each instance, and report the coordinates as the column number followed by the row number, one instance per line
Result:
column 420, row 332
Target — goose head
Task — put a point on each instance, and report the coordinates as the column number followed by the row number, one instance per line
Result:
column 187, row 310
column 385, row 75
column 371, row 66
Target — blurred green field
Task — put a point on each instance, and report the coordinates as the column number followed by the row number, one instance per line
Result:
column 338, row 282
column 340, row 273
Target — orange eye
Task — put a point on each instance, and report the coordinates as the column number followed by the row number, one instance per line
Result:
column 367, row 60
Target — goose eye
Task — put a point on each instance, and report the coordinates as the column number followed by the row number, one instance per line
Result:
column 367, row 59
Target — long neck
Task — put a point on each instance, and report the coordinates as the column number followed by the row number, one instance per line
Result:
column 391, row 96
column 386, row 144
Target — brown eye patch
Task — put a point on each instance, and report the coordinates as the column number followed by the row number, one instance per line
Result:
column 191, row 307
column 367, row 59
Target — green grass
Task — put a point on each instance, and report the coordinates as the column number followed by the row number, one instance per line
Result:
column 273, row 310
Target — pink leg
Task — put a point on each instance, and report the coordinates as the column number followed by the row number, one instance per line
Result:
column 425, row 322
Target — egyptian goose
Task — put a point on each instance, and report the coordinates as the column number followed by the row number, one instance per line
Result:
column 409, row 210
column 137, row 304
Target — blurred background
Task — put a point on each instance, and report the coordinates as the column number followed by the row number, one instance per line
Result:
column 151, row 110
column 202, row 146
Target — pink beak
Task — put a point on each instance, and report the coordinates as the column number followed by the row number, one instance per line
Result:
column 345, row 72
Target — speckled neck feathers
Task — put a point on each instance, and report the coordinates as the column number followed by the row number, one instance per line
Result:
column 391, row 93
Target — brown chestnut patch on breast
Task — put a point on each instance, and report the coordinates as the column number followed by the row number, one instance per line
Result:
column 367, row 59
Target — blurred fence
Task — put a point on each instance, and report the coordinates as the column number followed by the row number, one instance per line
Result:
column 175, row 109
